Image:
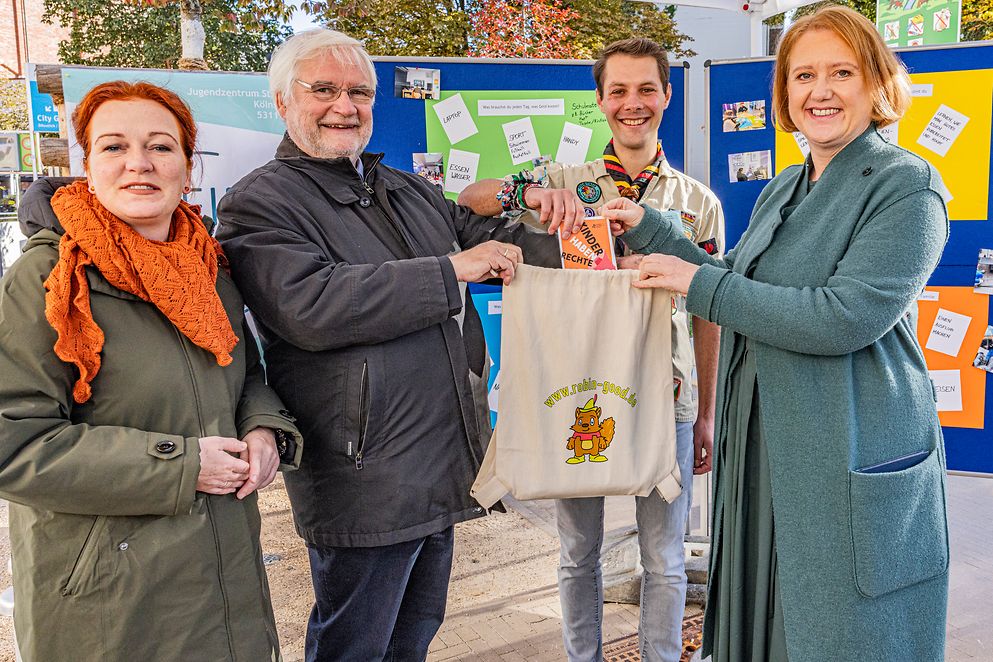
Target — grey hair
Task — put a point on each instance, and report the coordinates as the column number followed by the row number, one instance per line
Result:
column 311, row 44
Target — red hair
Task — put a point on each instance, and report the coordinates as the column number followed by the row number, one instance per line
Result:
column 120, row 90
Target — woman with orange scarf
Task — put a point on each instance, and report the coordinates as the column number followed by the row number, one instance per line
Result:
column 135, row 423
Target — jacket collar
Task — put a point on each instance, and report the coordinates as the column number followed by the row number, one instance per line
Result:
column 338, row 177
column 855, row 158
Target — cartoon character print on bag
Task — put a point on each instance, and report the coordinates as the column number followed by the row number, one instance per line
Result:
column 591, row 436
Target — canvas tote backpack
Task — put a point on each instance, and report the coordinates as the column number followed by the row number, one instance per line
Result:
column 586, row 391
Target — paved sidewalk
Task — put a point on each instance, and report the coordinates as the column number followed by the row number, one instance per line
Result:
column 503, row 600
column 506, row 606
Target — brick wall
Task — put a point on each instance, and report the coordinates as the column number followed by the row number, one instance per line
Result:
column 42, row 39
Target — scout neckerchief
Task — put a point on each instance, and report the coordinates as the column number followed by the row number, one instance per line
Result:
column 627, row 187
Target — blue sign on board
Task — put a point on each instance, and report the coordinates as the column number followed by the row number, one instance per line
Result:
column 44, row 116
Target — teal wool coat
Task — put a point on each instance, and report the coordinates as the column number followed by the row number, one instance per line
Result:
column 830, row 312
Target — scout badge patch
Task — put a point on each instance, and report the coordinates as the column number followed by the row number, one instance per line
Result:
column 588, row 192
column 689, row 224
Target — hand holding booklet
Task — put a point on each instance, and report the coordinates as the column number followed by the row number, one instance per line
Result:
column 591, row 248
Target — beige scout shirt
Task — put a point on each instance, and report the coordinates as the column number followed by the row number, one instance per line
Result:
column 703, row 220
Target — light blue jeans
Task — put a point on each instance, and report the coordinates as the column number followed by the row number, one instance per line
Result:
column 661, row 527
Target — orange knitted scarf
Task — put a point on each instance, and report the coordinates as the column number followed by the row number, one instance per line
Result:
column 177, row 276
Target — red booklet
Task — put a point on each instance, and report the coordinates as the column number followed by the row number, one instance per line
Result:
column 590, row 248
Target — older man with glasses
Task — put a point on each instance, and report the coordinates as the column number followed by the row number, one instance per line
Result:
column 356, row 275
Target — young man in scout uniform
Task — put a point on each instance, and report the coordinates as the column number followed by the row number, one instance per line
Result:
column 633, row 91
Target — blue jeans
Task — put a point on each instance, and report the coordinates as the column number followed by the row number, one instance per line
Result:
column 378, row 603
column 661, row 527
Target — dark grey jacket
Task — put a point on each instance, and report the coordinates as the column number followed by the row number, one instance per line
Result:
column 361, row 318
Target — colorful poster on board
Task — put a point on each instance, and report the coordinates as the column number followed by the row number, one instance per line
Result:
column 486, row 134
column 948, row 124
column 918, row 22
column 238, row 125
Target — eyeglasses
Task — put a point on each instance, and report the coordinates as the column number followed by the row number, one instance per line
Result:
column 327, row 92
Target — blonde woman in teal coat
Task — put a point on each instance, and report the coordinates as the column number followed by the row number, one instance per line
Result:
column 830, row 533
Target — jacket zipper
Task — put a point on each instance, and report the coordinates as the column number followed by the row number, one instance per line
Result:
column 210, row 512
column 363, row 415
column 389, row 218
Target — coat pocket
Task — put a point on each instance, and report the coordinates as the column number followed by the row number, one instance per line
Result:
column 899, row 526
column 84, row 569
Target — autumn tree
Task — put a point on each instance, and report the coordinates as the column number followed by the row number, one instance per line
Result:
column 404, row 27
column 601, row 22
column 120, row 33
column 523, row 28
column 13, row 105
column 977, row 20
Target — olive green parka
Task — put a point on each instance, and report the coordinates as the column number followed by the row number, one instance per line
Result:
column 116, row 556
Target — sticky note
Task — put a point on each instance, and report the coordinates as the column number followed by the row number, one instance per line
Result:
column 493, row 398
column 890, row 133
column 573, row 144
column 521, row 141
column 455, row 119
column 801, row 142
column 941, row 132
column 462, row 168
column 491, row 108
column 948, row 332
column 948, row 386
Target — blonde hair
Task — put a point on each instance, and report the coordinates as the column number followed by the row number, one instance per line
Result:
column 885, row 76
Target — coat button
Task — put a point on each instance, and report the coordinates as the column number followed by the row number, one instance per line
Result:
column 165, row 446
column 123, row 547
column 867, row 172
column 477, row 509
column 365, row 202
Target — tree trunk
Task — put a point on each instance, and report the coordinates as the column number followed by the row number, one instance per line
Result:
column 192, row 35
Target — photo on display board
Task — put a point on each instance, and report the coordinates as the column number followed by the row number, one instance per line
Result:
column 750, row 166
column 891, row 31
column 942, row 20
column 915, row 27
column 743, row 116
column 416, row 83
column 984, row 357
column 984, row 272
column 430, row 166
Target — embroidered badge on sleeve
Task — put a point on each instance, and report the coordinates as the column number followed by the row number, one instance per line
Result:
column 710, row 246
column 588, row 192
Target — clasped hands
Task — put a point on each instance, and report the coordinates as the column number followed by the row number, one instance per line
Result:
column 228, row 464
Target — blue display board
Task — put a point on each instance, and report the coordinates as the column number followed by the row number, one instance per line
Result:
column 744, row 80
column 400, row 131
